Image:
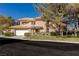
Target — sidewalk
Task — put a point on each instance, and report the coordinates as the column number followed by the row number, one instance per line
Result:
column 23, row 38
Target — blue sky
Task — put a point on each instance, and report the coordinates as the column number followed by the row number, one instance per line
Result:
column 18, row 10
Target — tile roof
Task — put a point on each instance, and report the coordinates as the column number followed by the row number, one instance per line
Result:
column 29, row 19
column 25, row 26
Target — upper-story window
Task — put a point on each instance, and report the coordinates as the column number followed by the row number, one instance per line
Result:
column 33, row 23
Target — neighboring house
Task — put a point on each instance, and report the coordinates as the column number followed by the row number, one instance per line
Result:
column 29, row 25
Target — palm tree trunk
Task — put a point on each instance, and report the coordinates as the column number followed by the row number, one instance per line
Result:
column 66, row 30
column 76, row 30
column 61, row 31
column 78, row 23
column 47, row 26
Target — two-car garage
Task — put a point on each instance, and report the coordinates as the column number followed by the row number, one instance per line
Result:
column 20, row 32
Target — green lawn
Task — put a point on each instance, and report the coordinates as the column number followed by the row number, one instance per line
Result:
column 47, row 37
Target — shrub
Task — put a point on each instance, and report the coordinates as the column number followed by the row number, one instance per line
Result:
column 53, row 33
column 78, row 33
column 42, row 33
column 9, row 34
column 27, row 34
column 1, row 32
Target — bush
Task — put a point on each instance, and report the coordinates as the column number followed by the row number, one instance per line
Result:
column 9, row 34
column 53, row 33
column 1, row 32
column 78, row 33
column 41, row 33
column 27, row 34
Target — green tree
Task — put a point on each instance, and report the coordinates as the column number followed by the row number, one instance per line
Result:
column 53, row 12
column 9, row 21
column 73, row 13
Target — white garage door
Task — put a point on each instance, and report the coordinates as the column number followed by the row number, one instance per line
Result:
column 21, row 32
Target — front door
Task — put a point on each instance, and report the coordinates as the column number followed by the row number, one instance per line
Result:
column 37, row 30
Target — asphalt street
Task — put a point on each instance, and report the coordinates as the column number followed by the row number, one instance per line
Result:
column 16, row 47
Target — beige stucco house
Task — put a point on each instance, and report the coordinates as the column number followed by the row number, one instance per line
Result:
column 29, row 25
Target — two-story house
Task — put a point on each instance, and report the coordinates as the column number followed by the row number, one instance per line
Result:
column 29, row 25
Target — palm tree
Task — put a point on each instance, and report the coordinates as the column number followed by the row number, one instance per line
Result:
column 53, row 12
column 45, row 14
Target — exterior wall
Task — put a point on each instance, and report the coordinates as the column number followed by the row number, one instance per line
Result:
column 20, row 22
column 28, row 24
column 12, row 30
column 40, row 23
column 42, row 30
column 37, row 23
